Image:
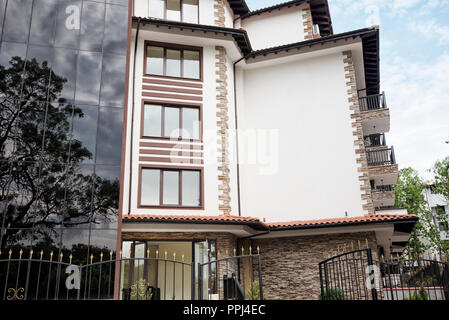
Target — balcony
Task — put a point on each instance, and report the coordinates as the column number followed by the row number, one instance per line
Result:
column 375, row 140
column 372, row 102
column 382, row 167
column 374, row 113
column 383, row 196
column 380, row 157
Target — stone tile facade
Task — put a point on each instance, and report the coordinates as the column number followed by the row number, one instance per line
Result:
column 383, row 195
column 382, row 170
column 290, row 265
column 374, row 114
column 224, row 189
column 219, row 13
column 307, row 22
column 365, row 187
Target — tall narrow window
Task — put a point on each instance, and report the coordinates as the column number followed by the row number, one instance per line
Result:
column 171, row 122
column 190, row 11
column 150, row 187
column 190, row 123
column 155, row 60
column 173, row 61
column 191, row 66
column 170, row 187
column 156, row 8
column 174, row 10
column 152, row 121
column 191, row 188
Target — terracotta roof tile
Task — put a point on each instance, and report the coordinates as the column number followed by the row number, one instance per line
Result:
column 342, row 221
column 144, row 217
column 273, row 225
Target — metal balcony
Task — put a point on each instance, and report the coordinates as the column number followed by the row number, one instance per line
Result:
column 380, row 157
column 375, row 140
column 373, row 102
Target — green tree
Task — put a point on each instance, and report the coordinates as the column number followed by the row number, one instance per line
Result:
column 440, row 172
column 409, row 195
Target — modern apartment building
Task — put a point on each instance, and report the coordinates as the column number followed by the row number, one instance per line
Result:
column 195, row 131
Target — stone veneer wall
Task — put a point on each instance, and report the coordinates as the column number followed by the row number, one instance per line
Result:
column 359, row 144
column 307, row 22
column 290, row 265
column 224, row 188
column 219, row 13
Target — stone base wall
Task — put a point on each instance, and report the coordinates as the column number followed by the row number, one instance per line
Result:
column 290, row 265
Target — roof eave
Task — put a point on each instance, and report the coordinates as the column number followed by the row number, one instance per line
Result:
column 240, row 36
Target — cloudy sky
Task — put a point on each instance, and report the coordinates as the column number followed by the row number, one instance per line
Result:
column 414, row 46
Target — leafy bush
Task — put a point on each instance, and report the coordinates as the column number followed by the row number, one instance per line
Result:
column 333, row 294
column 420, row 295
column 253, row 292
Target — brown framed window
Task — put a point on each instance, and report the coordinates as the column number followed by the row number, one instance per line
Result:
column 175, row 10
column 167, row 121
column 170, row 187
column 178, row 62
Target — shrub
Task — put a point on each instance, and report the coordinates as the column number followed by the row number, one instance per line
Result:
column 253, row 292
column 333, row 294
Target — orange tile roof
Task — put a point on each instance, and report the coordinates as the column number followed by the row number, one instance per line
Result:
column 146, row 217
column 342, row 221
column 273, row 225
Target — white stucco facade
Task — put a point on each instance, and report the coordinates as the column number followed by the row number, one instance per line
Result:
column 312, row 171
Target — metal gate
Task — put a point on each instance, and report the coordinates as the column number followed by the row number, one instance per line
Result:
column 356, row 275
column 56, row 277
column 230, row 284
column 349, row 276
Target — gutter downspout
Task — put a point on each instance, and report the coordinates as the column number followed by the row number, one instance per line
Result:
column 132, row 118
column 237, row 134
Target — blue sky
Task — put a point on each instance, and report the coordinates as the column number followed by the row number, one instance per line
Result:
column 414, row 50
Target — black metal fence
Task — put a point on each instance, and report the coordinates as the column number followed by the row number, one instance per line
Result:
column 55, row 277
column 231, row 283
column 372, row 102
column 356, row 275
column 380, row 157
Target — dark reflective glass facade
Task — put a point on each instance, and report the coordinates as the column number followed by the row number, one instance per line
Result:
column 62, row 82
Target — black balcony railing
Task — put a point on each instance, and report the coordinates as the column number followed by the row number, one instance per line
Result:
column 372, row 102
column 383, row 188
column 380, row 157
column 375, row 140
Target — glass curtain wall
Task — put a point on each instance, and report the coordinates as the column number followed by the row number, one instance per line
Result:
column 62, row 80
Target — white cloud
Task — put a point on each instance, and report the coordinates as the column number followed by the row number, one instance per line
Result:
column 418, row 98
column 431, row 30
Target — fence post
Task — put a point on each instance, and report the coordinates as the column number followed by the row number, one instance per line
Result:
column 200, row 282
column 371, row 264
column 260, row 277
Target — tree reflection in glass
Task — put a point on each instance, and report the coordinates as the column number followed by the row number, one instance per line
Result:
column 42, row 181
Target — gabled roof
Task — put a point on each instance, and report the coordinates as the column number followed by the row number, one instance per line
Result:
column 240, row 36
column 273, row 226
column 370, row 43
column 319, row 9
